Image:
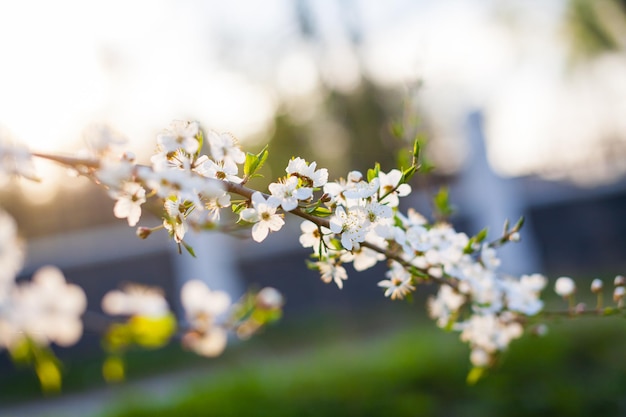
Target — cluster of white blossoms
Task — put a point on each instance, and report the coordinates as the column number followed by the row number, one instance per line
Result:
column 355, row 221
column 44, row 310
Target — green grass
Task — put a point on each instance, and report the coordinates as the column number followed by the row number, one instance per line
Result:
column 577, row 370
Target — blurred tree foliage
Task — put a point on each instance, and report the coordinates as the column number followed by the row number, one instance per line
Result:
column 349, row 131
column 596, row 27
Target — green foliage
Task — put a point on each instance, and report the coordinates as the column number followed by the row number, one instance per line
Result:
column 577, row 370
column 253, row 163
column 590, row 32
column 47, row 367
column 441, row 201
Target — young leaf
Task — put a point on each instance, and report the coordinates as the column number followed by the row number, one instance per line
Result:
column 373, row 172
column 442, row 203
column 254, row 162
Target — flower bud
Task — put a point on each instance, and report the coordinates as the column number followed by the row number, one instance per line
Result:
column 618, row 294
column 619, row 281
column 596, row 286
column 564, row 286
column 143, row 232
column 514, row 237
column 269, row 298
column 580, row 308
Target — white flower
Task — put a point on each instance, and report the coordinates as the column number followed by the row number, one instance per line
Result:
column 447, row 302
column 298, row 167
column 287, row 193
column 399, row 284
column 523, row 295
column 364, row 258
column 129, row 200
column 490, row 332
column 224, row 148
column 564, row 286
column 214, row 204
column 202, row 305
column 135, row 300
column 218, row 170
column 210, row 343
column 352, row 225
column 113, row 171
column 263, row 214
column 15, row 160
column 361, row 189
column 489, row 258
column 180, row 135
column 390, row 188
column 175, row 222
column 312, row 238
column 11, row 254
column 47, row 309
column 332, row 271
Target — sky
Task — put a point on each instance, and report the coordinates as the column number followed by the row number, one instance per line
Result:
column 138, row 65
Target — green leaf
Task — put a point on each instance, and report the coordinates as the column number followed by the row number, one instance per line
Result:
column 475, row 375
column 373, row 172
column 519, row 224
column 442, row 203
column 320, row 211
column 417, row 150
column 249, row 166
column 254, row 162
column 189, row 248
column 478, row 238
column 200, row 139
column 408, row 173
column 397, row 129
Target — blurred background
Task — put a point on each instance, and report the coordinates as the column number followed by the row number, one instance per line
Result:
column 522, row 103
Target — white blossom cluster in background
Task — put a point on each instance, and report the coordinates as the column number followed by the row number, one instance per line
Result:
column 353, row 220
column 46, row 309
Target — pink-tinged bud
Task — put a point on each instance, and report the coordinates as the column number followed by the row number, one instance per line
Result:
column 619, row 281
column 143, row 232
column 596, row 286
column 565, row 286
column 580, row 308
column 618, row 294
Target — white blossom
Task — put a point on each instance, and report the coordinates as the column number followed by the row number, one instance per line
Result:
column 201, row 304
column 390, row 187
column 129, row 200
column 332, row 271
column 224, row 148
column 445, row 305
column 179, row 135
column 352, row 225
column 135, row 300
column 311, row 237
column 263, row 215
column 307, row 172
column 11, row 254
column 399, row 284
column 288, row 193
column 47, row 309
